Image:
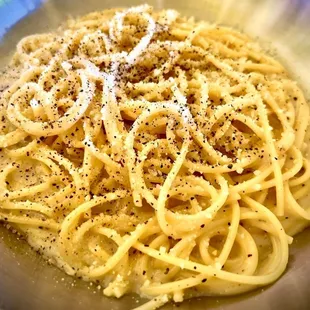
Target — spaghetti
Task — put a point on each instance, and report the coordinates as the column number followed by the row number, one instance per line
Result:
column 154, row 154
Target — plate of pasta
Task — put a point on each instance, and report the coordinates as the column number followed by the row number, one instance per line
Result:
column 145, row 151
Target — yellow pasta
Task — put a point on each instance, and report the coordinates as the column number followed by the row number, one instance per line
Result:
column 154, row 154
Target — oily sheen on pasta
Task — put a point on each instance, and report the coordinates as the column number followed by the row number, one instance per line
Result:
column 154, row 154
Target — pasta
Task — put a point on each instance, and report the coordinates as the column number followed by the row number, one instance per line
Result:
column 155, row 154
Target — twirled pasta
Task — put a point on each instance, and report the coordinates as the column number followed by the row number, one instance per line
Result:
column 155, row 154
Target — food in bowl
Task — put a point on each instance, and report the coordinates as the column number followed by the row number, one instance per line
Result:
column 154, row 154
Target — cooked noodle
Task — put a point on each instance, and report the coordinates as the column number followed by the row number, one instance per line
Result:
column 155, row 154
